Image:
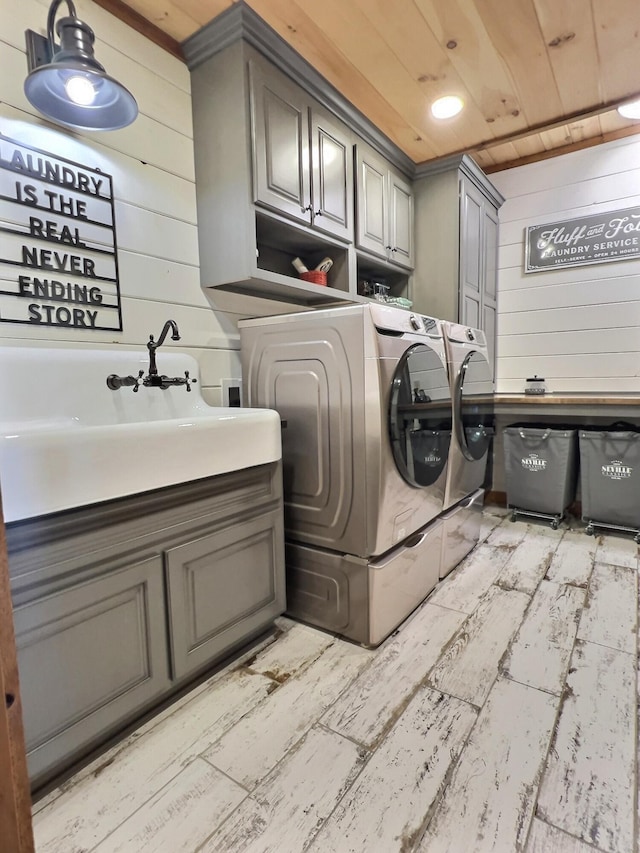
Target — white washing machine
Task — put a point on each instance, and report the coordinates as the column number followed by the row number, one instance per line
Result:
column 471, row 379
column 365, row 400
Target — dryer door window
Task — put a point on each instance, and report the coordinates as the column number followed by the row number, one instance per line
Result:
column 420, row 416
column 473, row 411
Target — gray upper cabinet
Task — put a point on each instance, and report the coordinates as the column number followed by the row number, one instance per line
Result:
column 274, row 181
column 332, row 175
column 275, row 178
column 302, row 155
column 384, row 209
column 400, row 221
column 456, row 210
column 280, row 143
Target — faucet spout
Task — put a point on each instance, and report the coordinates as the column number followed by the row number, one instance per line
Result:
column 152, row 346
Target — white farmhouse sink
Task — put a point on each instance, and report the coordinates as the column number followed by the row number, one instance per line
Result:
column 66, row 440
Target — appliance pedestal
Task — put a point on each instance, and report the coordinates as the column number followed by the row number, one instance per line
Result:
column 460, row 531
column 359, row 598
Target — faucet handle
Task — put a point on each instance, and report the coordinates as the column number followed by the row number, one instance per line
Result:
column 189, row 382
column 137, row 382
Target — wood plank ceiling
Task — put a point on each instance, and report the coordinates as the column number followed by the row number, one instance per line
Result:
column 538, row 77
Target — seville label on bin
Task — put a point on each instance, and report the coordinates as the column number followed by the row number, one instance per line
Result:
column 58, row 254
column 611, row 236
column 617, row 470
column 533, row 463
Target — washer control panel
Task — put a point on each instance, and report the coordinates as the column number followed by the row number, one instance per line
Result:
column 392, row 319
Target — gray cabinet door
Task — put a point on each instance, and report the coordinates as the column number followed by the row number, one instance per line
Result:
column 280, row 128
column 89, row 657
column 471, row 254
column 332, row 188
column 478, row 262
column 400, row 221
column 384, row 209
column 222, row 588
column 371, row 202
column 489, row 291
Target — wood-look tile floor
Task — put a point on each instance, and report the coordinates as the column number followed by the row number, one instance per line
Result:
column 500, row 716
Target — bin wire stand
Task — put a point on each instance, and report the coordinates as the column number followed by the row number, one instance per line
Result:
column 610, row 490
column 541, row 471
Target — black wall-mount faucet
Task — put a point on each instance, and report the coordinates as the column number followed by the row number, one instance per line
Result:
column 153, row 379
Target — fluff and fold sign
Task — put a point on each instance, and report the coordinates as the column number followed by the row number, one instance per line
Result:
column 610, row 236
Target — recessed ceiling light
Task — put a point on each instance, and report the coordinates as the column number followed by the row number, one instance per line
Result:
column 447, row 107
column 630, row 110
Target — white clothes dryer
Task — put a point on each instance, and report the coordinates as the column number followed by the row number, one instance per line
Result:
column 471, row 380
column 365, row 400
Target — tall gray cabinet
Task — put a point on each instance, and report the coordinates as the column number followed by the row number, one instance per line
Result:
column 456, row 222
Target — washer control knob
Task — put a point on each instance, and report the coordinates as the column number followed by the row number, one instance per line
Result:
column 415, row 323
column 470, row 335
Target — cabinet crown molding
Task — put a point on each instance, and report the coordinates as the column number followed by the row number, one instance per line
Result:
column 240, row 22
column 468, row 167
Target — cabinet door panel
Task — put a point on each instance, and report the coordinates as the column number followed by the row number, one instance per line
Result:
column 371, row 205
column 490, row 254
column 470, row 238
column 222, row 588
column 401, row 221
column 332, row 189
column 89, row 657
column 280, row 145
column 471, row 311
column 489, row 327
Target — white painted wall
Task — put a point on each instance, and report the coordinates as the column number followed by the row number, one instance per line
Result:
column 578, row 327
column 152, row 166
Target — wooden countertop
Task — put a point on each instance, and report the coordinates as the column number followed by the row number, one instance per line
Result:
column 565, row 399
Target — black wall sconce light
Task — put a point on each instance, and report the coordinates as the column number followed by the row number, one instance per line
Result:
column 67, row 84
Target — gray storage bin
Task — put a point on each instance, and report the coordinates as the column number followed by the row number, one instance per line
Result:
column 610, row 490
column 541, row 470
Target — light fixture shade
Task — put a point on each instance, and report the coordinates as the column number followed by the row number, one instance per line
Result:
column 72, row 88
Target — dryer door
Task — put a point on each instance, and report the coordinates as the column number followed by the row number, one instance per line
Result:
column 420, row 416
column 473, row 418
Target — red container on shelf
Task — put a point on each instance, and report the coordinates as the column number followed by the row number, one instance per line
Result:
column 314, row 276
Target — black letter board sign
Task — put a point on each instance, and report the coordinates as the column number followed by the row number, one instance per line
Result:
column 612, row 236
column 58, row 255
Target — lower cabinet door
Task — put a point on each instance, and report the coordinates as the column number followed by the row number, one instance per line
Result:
column 89, row 658
column 223, row 588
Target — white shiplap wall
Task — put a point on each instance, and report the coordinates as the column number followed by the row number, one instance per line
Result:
column 152, row 165
column 579, row 327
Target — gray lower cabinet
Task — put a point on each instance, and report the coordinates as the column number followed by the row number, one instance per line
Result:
column 90, row 656
column 117, row 606
column 220, row 587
